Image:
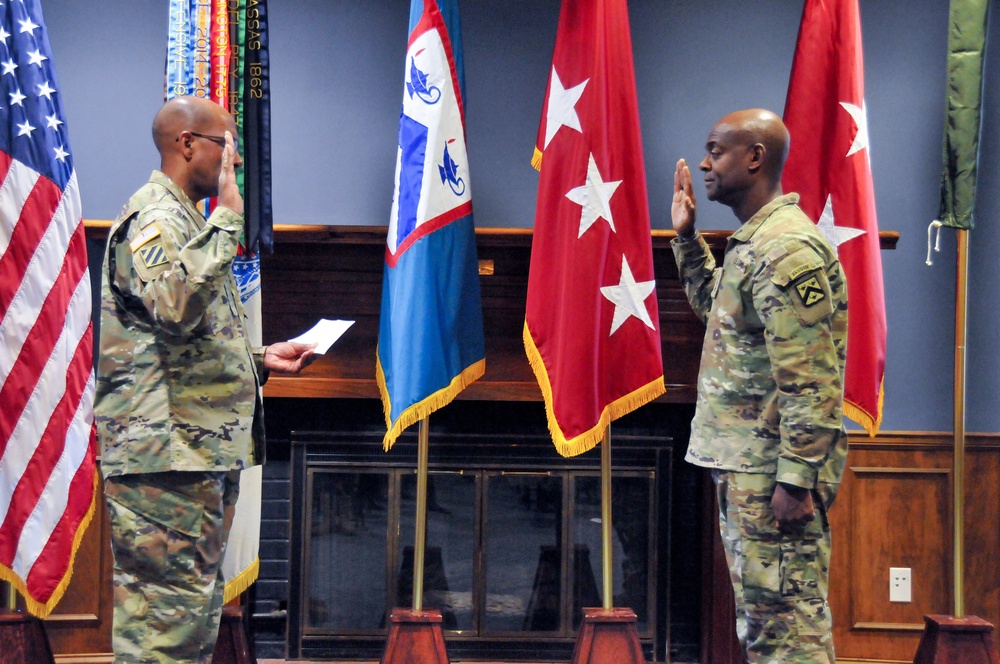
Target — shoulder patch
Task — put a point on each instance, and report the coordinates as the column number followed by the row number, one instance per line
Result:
column 811, row 298
column 152, row 255
column 144, row 236
column 810, row 291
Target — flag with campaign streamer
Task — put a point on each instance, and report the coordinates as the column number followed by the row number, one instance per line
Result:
column 217, row 49
column 591, row 328
column 430, row 343
column 963, row 107
column 828, row 166
column 48, row 474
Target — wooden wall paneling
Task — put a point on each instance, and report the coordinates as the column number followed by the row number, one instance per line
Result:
column 982, row 530
column 899, row 518
column 861, row 536
column 895, row 504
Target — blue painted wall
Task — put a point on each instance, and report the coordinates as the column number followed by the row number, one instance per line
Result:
column 337, row 70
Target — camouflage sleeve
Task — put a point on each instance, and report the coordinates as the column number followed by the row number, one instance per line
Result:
column 258, row 359
column 795, row 302
column 177, row 277
column 696, row 268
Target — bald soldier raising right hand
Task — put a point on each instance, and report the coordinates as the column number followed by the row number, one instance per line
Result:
column 178, row 405
column 770, row 388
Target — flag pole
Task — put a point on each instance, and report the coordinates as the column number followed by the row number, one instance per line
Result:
column 420, row 538
column 609, row 601
column 415, row 635
column 10, row 597
column 958, row 481
column 607, row 631
column 958, row 637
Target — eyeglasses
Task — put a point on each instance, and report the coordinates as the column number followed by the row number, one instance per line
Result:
column 218, row 140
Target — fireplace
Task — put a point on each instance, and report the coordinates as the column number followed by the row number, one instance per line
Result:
column 513, row 532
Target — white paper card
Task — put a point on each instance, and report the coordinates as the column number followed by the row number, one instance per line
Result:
column 324, row 333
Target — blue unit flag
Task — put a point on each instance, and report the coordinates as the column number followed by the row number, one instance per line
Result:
column 431, row 325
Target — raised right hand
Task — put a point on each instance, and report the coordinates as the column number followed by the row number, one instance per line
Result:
column 682, row 210
column 229, row 191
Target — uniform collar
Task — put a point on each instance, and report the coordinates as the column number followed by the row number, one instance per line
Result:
column 163, row 179
column 746, row 231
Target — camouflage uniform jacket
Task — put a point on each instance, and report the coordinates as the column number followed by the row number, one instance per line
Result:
column 178, row 382
column 770, row 387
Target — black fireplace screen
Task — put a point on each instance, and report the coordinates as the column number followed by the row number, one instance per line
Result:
column 509, row 554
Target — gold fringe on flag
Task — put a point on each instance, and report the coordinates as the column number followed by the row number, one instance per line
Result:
column 242, row 582
column 35, row 607
column 589, row 439
column 425, row 407
column 536, row 160
column 869, row 423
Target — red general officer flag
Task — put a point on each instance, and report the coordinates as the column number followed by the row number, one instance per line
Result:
column 828, row 165
column 591, row 329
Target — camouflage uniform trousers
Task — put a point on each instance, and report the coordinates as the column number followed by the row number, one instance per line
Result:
column 780, row 579
column 168, row 536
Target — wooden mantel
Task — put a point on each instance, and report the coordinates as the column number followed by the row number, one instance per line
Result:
column 336, row 272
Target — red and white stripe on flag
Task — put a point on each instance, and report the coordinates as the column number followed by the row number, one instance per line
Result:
column 829, row 167
column 48, row 478
column 591, row 330
column 47, row 440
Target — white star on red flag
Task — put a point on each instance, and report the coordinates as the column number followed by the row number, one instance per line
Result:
column 860, row 116
column 562, row 106
column 835, row 235
column 629, row 298
column 595, row 198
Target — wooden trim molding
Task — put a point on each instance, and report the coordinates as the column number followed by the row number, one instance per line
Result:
column 81, row 618
column 921, row 440
column 886, row 470
column 890, row 627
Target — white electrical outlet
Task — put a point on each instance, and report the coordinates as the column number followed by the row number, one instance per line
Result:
column 900, row 589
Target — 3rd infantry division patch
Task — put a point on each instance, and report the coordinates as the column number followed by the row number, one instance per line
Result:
column 810, row 291
column 153, row 255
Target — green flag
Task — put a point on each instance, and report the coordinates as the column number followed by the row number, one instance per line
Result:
column 963, row 99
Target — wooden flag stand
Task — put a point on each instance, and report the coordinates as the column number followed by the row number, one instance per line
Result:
column 958, row 639
column 415, row 636
column 948, row 640
column 608, row 635
column 22, row 635
column 232, row 645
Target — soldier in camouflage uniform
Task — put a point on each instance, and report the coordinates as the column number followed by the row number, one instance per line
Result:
column 770, row 389
column 178, row 401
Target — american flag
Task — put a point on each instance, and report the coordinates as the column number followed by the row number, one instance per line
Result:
column 47, row 440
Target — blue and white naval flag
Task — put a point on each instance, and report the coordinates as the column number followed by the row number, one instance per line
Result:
column 430, row 343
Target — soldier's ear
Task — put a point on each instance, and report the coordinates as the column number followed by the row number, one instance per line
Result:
column 185, row 141
column 757, row 155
